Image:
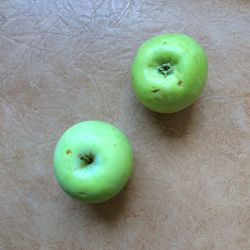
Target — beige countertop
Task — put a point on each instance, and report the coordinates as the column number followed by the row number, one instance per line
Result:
column 65, row 61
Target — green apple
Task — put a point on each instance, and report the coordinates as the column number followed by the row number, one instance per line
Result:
column 93, row 161
column 169, row 72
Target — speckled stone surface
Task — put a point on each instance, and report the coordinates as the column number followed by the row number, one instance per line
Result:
column 65, row 61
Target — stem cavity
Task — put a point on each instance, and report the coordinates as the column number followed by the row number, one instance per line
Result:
column 87, row 158
column 165, row 69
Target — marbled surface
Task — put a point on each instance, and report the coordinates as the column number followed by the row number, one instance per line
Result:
column 65, row 61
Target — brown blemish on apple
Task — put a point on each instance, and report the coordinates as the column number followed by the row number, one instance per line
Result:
column 180, row 83
column 68, row 152
column 155, row 90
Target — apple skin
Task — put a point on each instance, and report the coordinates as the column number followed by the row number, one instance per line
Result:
column 178, row 85
column 93, row 161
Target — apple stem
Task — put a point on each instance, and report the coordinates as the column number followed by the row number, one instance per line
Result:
column 87, row 158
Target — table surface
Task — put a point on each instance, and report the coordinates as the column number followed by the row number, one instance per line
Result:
column 66, row 61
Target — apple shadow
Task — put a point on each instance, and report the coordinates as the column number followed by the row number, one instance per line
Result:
column 113, row 209
column 177, row 124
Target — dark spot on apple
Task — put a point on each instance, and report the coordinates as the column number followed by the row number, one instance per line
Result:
column 164, row 42
column 180, row 83
column 68, row 151
column 155, row 90
column 115, row 145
